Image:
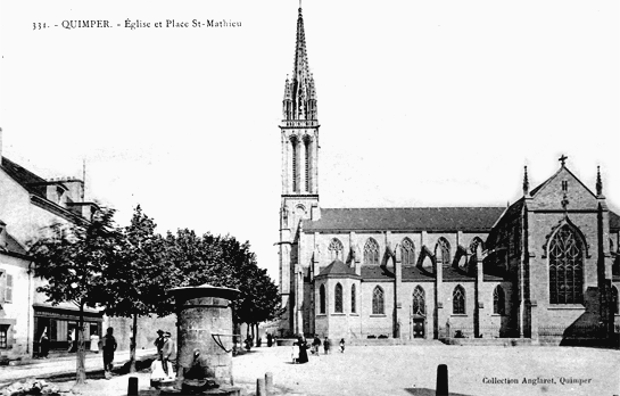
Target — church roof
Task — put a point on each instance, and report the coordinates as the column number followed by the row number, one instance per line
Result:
column 337, row 268
column 438, row 219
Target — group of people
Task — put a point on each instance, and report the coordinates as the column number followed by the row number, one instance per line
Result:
column 300, row 347
column 165, row 351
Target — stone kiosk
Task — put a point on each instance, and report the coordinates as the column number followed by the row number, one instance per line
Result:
column 205, row 340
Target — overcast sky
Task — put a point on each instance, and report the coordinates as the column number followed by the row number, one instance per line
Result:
column 421, row 103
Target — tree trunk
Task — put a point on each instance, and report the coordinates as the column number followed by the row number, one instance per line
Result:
column 132, row 344
column 80, row 374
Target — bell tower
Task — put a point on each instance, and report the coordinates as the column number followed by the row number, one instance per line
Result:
column 299, row 132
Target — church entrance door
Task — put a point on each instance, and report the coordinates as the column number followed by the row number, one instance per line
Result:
column 418, row 328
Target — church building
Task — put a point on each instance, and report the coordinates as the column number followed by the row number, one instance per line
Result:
column 546, row 266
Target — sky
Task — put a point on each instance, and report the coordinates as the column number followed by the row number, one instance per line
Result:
column 420, row 103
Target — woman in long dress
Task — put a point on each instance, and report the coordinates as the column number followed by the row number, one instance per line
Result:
column 303, row 350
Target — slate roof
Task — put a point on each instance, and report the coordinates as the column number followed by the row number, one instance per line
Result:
column 13, row 246
column 32, row 183
column 337, row 268
column 438, row 219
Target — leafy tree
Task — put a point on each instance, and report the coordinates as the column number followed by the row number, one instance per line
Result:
column 72, row 258
column 134, row 283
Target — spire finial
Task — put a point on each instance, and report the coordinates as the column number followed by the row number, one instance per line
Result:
column 599, row 182
column 526, row 182
column 562, row 160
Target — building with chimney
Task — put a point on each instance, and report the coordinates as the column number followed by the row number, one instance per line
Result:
column 29, row 204
column 547, row 266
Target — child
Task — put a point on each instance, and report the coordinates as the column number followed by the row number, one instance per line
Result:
column 342, row 345
column 295, row 353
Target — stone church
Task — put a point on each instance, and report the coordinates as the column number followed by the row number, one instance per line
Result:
column 546, row 266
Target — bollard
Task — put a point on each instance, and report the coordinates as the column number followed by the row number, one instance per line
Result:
column 442, row 380
column 132, row 388
column 269, row 383
column 260, row 387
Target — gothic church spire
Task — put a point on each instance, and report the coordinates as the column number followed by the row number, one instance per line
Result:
column 299, row 92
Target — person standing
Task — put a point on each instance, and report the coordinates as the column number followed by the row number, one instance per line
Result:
column 342, row 345
column 70, row 340
column 316, row 345
column 167, row 352
column 108, row 346
column 159, row 342
column 303, row 353
column 94, row 342
column 44, row 344
column 326, row 345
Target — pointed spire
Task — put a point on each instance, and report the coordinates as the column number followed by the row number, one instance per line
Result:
column 599, row 183
column 526, row 183
column 301, row 85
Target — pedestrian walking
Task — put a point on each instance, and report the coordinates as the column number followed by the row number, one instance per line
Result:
column 327, row 346
column 167, row 352
column 108, row 346
column 341, row 345
column 94, row 342
column 44, row 344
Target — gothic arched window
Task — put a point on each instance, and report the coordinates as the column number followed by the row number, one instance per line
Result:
column 377, row 301
column 566, row 267
column 419, row 304
column 371, row 252
column 499, row 301
column 335, row 249
column 442, row 252
column 407, row 250
column 614, row 300
column 458, row 300
column 295, row 159
column 475, row 244
column 322, row 299
column 307, row 145
column 338, row 298
column 353, row 300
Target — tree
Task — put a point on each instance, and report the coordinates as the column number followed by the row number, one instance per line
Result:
column 134, row 284
column 72, row 258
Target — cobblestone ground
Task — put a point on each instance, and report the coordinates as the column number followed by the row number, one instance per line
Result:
column 411, row 370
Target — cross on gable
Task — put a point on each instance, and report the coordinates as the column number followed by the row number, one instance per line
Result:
column 562, row 159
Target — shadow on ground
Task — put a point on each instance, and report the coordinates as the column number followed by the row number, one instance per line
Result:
column 429, row 392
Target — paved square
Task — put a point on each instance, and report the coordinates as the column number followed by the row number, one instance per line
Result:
column 407, row 370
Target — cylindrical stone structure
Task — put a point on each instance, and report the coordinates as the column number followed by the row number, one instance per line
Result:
column 204, row 325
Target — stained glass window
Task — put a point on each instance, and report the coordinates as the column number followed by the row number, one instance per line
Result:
column 335, row 249
column 322, row 299
column 371, row 252
column 353, row 300
column 499, row 301
column 419, row 305
column 338, row 298
column 566, row 267
column 442, row 252
column 407, row 250
column 458, row 300
column 377, row 301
